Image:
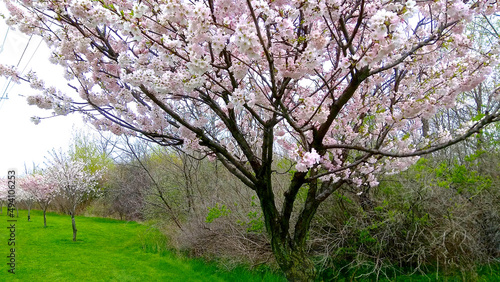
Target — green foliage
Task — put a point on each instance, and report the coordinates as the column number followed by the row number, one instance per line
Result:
column 365, row 237
column 460, row 177
column 369, row 123
column 284, row 164
column 153, row 241
column 85, row 148
column 217, row 212
column 478, row 117
column 254, row 222
column 437, row 213
column 159, row 155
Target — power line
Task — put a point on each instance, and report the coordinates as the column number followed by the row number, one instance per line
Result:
column 1, row 50
column 26, row 66
column 4, row 39
column 32, row 55
column 4, row 95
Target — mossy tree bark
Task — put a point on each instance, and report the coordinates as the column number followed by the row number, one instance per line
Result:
column 289, row 244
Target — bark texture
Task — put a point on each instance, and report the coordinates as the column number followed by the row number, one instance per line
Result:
column 74, row 227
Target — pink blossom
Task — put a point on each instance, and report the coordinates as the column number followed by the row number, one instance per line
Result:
column 218, row 76
column 311, row 158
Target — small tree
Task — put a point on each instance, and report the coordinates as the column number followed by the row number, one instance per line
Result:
column 73, row 183
column 44, row 195
column 26, row 185
column 43, row 191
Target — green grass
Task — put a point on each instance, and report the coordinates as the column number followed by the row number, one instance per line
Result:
column 105, row 250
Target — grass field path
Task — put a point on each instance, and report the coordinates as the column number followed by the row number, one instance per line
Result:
column 105, row 250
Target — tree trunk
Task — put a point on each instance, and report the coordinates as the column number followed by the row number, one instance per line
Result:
column 29, row 217
column 293, row 262
column 289, row 249
column 425, row 127
column 74, row 226
column 289, row 253
column 44, row 218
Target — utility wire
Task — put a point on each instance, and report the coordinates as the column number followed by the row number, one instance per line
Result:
column 5, row 93
column 32, row 55
column 4, row 39
column 1, row 50
column 26, row 66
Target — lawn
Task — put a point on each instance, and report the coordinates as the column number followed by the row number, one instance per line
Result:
column 115, row 250
column 105, row 250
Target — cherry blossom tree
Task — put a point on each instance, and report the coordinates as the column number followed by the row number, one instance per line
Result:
column 73, row 183
column 44, row 195
column 41, row 189
column 25, row 192
column 341, row 88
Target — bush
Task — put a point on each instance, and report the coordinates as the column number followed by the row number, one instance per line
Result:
column 433, row 216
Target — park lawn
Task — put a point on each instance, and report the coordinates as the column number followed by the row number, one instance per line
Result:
column 105, row 250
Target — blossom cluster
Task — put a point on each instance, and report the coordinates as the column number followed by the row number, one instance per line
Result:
column 37, row 187
column 328, row 76
column 71, row 180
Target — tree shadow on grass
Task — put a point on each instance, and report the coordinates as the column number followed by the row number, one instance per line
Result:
column 69, row 241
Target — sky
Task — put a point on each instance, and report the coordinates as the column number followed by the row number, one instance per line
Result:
column 22, row 143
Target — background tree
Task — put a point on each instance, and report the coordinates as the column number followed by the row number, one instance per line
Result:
column 343, row 88
column 96, row 152
column 43, row 191
column 126, row 187
column 25, row 193
column 473, row 105
column 73, row 183
column 156, row 194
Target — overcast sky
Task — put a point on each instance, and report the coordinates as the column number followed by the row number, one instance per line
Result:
column 23, row 143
